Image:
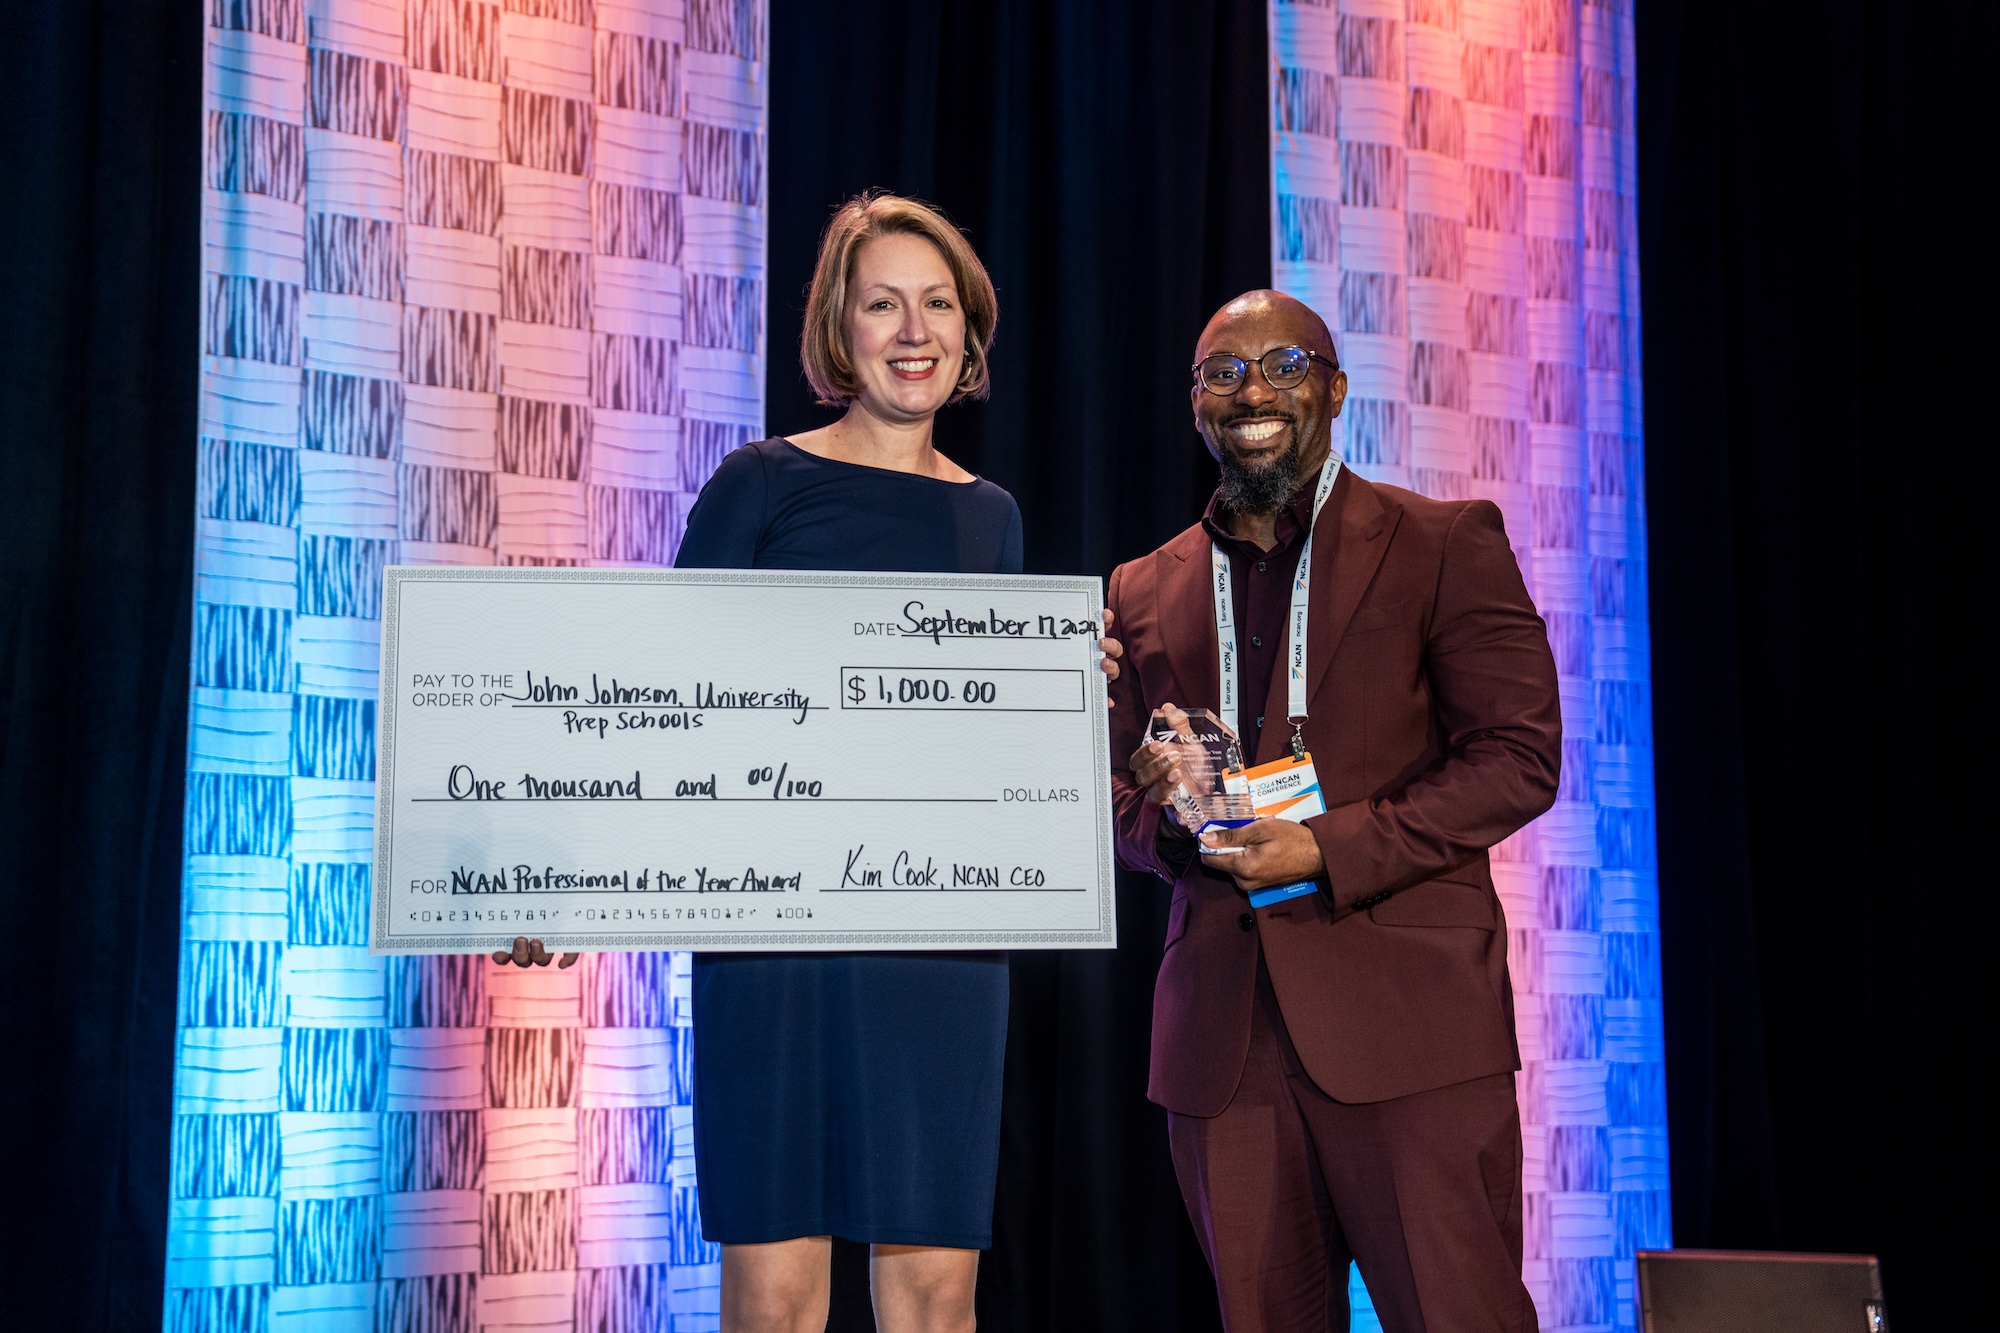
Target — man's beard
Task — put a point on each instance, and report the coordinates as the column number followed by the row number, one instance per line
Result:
column 1257, row 488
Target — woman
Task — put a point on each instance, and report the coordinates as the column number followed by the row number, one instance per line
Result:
column 874, row 1111
column 857, row 1095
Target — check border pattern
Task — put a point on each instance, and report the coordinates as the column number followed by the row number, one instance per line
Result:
column 1103, row 934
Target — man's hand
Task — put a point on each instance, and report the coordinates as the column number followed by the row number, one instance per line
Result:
column 1275, row 851
column 1156, row 768
column 1112, row 650
column 531, row 953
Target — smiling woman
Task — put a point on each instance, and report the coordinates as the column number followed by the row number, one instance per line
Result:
column 858, row 1095
column 923, row 299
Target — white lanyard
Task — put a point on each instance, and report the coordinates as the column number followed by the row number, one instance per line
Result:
column 1225, row 621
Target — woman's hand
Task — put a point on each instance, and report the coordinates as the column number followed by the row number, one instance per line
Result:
column 1112, row 650
column 530, row 953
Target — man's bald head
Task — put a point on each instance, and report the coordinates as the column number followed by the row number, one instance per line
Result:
column 1266, row 438
column 1261, row 320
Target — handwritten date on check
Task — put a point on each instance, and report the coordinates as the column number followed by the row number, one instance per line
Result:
column 619, row 759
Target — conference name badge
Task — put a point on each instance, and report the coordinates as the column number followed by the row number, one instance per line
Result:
column 1286, row 788
column 1283, row 789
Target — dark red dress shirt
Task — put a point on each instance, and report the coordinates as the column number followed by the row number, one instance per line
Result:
column 1262, row 583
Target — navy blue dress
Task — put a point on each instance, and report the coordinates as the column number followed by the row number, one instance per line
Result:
column 853, row 1095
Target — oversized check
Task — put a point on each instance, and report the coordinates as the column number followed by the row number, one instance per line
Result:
column 723, row 760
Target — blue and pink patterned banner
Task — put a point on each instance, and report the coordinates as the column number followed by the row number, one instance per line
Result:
column 484, row 284
column 1454, row 190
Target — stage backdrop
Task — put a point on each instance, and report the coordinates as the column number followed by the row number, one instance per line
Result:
column 1453, row 189
column 483, row 284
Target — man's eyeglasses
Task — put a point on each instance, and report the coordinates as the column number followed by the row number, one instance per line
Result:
column 1283, row 367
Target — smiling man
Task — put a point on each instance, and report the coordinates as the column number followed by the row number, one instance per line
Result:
column 1333, row 1028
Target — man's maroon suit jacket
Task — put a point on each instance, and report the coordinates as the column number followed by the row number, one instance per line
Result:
column 1436, row 731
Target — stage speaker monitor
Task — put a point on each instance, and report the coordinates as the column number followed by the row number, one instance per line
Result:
column 1754, row 1291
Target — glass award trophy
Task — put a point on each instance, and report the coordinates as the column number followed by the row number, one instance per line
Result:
column 1213, row 791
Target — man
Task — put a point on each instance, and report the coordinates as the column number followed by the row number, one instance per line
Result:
column 1333, row 1031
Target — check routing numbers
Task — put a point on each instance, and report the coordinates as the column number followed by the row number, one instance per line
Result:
column 647, row 759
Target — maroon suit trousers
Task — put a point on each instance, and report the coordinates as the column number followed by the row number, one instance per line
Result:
column 1423, row 1192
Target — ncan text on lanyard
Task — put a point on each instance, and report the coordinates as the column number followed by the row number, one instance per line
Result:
column 1295, row 653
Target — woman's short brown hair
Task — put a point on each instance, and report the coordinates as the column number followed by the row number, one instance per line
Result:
column 823, row 349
